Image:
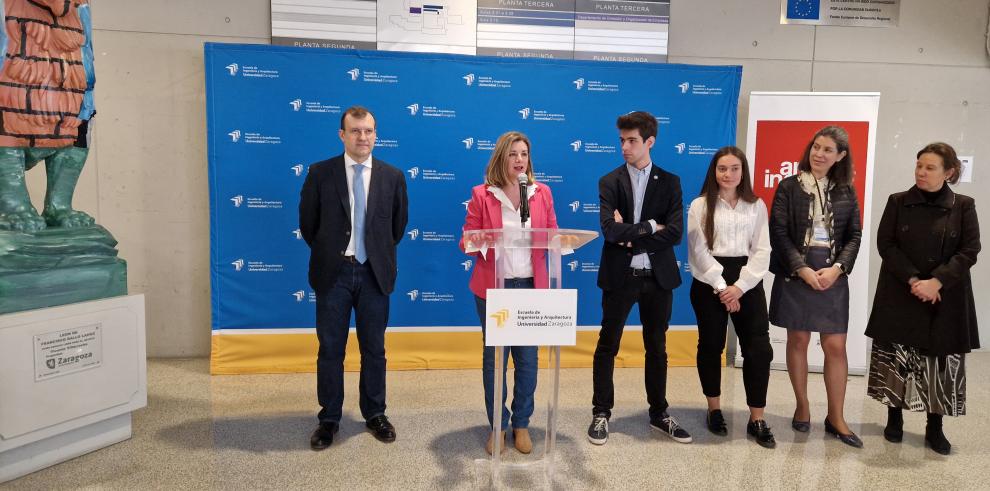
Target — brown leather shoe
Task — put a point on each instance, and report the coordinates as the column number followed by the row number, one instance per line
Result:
column 490, row 446
column 521, row 438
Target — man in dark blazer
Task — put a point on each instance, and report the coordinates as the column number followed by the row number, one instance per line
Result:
column 352, row 213
column 642, row 218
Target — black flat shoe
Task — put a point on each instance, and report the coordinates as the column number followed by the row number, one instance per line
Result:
column 849, row 439
column 758, row 429
column 716, row 423
column 381, row 428
column 801, row 426
column 323, row 436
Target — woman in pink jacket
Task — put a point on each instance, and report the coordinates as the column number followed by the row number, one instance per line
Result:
column 495, row 205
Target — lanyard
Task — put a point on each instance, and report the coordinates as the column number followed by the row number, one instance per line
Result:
column 820, row 197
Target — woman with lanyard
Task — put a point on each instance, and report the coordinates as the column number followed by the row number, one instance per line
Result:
column 814, row 235
column 729, row 252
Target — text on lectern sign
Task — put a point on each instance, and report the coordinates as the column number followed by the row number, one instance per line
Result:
column 523, row 317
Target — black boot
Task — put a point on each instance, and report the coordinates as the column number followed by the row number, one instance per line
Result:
column 894, row 432
column 934, row 437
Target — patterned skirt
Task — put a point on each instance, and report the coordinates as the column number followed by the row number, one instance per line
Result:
column 900, row 376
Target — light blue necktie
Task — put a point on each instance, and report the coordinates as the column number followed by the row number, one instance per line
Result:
column 359, row 207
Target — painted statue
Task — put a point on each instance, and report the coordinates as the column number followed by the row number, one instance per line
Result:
column 46, row 102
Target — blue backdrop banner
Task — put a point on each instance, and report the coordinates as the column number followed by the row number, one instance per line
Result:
column 274, row 110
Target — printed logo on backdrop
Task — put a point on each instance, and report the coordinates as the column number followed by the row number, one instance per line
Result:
column 467, row 265
column 472, row 80
column 684, row 266
column 662, row 120
column 424, row 174
column 238, row 136
column 314, row 107
column 531, row 114
column 592, row 147
column 430, row 236
column 430, row 111
column 371, row 77
column 386, row 143
column 250, row 71
column 583, row 266
column 693, row 149
column 548, row 178
column 579, row 207
column 595, row 85
column 256, row 266
column 241, row 201
column 470, row 143
column 429, row 296
column 301, row 296
column 698, row 89
column 298, row 169
column 297, row 234
column 466, row 203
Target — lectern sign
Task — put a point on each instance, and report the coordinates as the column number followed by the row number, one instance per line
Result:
column 67, row 351
column 519, row 317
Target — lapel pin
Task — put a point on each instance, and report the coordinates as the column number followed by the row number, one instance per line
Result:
column 655, row 178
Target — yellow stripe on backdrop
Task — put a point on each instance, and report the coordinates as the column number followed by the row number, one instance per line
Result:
column 289, row 353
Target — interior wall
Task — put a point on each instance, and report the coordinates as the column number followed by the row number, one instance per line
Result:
column 146, row 177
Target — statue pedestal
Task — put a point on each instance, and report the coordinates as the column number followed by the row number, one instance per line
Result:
column 58, row 267
column 72, row 375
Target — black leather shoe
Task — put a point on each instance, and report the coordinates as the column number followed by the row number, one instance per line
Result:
column 849, row 439
column 323, row 436
column 894, row 431
column 381, row 428
column 801, row 426
column 764, row 437
column 716, row 423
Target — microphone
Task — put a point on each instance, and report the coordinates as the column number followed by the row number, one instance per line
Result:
column 523, row 198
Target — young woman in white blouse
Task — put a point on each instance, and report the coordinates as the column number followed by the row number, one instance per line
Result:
column 729, row 254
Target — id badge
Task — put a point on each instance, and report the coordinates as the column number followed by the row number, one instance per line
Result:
column 821, row 234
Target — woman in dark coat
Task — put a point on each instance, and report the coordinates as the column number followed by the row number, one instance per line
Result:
column 924, row 320
column 814, row 236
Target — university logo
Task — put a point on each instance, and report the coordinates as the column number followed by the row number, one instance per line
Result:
column 296, row 104
column 575, row 205
column 468, row 142
column 576, row 145
column 51, row 363
column 232, row 68
column 578, row 84
column 237, row 200
column 238, row 264
column 465, row 203
column 413, row 234
column 469, row 79
column 354, row 73
column 297, row 169
column 524, row 112
column 467, row 265
column 680, row 148
column 235, row 135
column 684, row 87
column 413, row 295
column 573, row 265
column 298, row 234
column 413, row 172
column 300, row 295
column 500, row 317
column 413, row 109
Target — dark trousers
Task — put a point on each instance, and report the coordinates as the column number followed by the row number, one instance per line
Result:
column 654, row 311
column 355, row 288
column 752, row 328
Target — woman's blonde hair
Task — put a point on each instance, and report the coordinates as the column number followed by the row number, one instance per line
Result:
column 496, row 173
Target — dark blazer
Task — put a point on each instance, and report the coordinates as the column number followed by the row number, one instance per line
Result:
column 325, row 220
column 790, row 219
column 927, row 240
column 662, row 203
